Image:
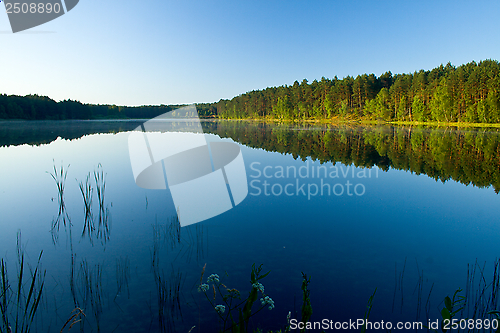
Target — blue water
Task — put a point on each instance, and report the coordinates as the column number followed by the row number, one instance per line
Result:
column 349, row 243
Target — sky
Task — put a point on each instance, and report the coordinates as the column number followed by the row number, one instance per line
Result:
column 180, row 52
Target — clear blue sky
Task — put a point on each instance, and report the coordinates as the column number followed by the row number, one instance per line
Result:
column 168, row 52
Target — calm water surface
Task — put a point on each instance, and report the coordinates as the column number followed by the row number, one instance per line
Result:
column 400, row 210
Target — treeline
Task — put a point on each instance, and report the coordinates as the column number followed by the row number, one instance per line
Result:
column 34, row 107
column 465, row 156
column 468, row 93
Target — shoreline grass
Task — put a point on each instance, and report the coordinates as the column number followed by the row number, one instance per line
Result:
column 361, row 121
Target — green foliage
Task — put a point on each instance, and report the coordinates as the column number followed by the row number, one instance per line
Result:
column 401, row 109
column 469, row 92
column 329, row 106
column 483, row 112
column 441, row 102
column 368, row 311
column 418, row 109
column 445, row 93
column 282, row 109
column 34, row 107
column 370, row 109
column 381, row 106
column 496, row 314
column 452, row 306
column 344, row 108
column 471, row 114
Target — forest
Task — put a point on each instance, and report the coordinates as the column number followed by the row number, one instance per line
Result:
column 34, row 107
column 468, row 93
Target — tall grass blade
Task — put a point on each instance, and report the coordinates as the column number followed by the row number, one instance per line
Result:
column 16, row 304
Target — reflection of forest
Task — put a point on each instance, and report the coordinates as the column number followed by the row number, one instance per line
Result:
column 43, row 132
column 466, row 156
column 469, row 156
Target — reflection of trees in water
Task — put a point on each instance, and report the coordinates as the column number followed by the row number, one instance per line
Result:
column 44, row 132
column 170, row 244
column 469, row 156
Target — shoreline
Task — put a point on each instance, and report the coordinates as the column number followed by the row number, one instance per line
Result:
column 333, row 121
column 336, row 121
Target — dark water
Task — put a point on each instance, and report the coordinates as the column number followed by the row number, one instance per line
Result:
column 400, row 210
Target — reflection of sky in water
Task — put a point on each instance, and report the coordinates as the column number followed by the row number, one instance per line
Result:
column 352, row 243
column 348, row 244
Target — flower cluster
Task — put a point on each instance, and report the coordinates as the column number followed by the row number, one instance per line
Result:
column 213, row 278
column 258, row 286
column 220, row 309
column 267, row 300
column 203, row 287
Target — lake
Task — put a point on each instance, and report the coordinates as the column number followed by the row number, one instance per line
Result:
column 407, row 213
